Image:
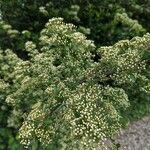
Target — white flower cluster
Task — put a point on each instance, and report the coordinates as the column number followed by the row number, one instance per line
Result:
column 3, row 89
column 43, row 10
column 125, row 20
column 26, row 132
column 26, row 33
column 6, row 26
column 32, row 127
column 123, row 61
column 12, row 33
column 31, row 48
column 92, row 111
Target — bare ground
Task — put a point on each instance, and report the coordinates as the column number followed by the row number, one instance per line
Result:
column 135, row 137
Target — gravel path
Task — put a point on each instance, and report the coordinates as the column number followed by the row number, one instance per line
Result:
column 136, row 136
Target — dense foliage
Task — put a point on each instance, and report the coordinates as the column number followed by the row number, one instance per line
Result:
column 78, row 101
column 105, row 22
column 59, row 90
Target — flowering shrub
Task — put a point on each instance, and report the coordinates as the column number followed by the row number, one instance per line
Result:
column 62, row 97
column 126, row 65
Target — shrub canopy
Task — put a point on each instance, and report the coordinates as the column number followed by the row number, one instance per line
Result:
column 66, row 98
